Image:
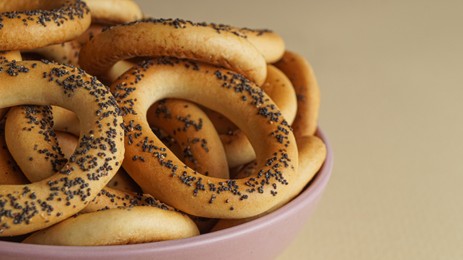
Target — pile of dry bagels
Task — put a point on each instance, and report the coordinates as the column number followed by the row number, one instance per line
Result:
column 121, row 129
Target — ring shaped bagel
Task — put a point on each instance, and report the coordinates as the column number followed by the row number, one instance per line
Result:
column 196, row 143
column 34, row 206
column 39, row 127
column 299, row 71
column 175, row 38
column 312, row 154
column 40, row 150
column 237, row 146
column 114, row 11
column 117, row 227
column 33, row 24
column 201, row 147
column 164, row 176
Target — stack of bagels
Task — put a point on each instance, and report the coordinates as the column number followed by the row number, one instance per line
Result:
column 120, row 129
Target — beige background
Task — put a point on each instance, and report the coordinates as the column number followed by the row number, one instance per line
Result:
column 391, row 76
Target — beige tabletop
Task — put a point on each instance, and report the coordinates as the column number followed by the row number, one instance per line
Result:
column 391, row 78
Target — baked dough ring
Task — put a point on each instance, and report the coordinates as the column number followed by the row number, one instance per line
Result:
column 50, row 22
column 26, row 208
column 117, row 227
column 237, row 146
column 114, row 11
column 38, row 140
column 199, row 142
column 177, row 38
column 299, row 71
column 37, row 147
column 167, row 178
column 312, row 154
column 199, row 145
column 107, row 198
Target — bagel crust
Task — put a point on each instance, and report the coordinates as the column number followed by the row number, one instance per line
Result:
column 175, row 38
column 30, row 207
column 312, row 154
column 41, row 23
column 301, row 74
column 117, row 227
column 114, row 11
column 192, row 130
column 164, row 176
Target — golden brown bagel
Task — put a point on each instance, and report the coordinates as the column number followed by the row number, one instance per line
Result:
column 40, row 150
column 168, row 179
column 299, row 71
column 199, row 145
column 114, row 11
column 312, row 154
column 33, row 24
column 177, row 38
column 117, row 227
column 106, row 199
column 38, row 205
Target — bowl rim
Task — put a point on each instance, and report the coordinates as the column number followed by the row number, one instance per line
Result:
column 311, row 193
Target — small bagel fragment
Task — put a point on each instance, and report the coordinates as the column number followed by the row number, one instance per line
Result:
column 299, row 71
column 28, row 25
column 117, row 227
column 34, row 206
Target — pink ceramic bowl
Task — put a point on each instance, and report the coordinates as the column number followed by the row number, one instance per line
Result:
column 263, row 238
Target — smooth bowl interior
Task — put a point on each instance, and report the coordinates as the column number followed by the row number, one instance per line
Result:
column 262, row 238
